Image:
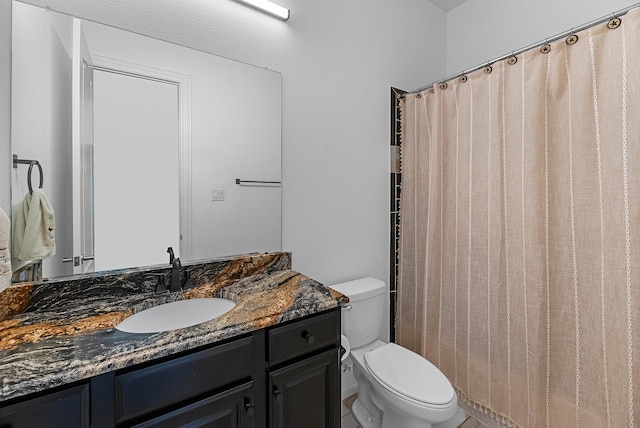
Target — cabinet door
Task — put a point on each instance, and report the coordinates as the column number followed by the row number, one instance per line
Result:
column 229, row 409
column 306, row 394
column 65, row 409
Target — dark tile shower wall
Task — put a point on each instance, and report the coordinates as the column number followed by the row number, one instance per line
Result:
column 394, row 217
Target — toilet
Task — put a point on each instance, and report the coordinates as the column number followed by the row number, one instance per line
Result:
column 396, row 387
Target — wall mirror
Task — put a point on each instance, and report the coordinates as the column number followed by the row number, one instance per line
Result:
column 143, row 145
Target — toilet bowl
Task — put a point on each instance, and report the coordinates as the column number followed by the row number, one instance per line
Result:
column 396, row 387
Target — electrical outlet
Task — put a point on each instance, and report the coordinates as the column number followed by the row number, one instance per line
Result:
column 217, row 195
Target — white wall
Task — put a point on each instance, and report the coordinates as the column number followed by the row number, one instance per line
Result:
column 481, row 30
column 5, row 105
column 338, row 60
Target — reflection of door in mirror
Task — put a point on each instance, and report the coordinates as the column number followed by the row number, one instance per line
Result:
column 137, row 181
column 126, row 123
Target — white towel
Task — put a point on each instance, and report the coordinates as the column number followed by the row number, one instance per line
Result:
column 5, row 256
column 33, row 229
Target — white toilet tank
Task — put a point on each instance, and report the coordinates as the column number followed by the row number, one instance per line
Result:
column 361, row 322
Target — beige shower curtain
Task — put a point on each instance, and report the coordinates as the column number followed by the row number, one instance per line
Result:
column 520, row 232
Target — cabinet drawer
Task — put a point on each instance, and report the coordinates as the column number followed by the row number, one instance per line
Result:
column 303, row 337
column 166, row 384
column 65, row 409
column 230, row 409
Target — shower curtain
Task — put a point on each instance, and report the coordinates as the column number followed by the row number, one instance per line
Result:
column 520, row 231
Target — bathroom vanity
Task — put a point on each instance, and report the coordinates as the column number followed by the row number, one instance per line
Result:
column 272, row 361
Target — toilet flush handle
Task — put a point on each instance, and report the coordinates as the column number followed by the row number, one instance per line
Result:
column 346, row 306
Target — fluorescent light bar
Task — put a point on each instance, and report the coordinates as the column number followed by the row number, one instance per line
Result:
column 268, row 7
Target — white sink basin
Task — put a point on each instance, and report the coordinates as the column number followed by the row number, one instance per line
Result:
column 175, row 315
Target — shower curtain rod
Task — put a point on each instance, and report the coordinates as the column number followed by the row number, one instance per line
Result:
column 531, row 46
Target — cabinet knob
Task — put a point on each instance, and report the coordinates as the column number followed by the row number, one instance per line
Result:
column 308, row 337
column 248, row 407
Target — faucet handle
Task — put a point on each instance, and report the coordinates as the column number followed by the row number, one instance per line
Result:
column 161, row 284
column 172, row 257
column 161, row 287
column 187, row 283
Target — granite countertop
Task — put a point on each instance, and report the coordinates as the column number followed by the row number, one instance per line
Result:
column 58, row 332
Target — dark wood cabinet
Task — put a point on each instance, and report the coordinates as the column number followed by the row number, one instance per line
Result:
column 306, row 393
column 304, row 373
column 285, row 376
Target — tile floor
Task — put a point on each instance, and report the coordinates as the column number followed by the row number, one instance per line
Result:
column 348, row 420
column 472, row 423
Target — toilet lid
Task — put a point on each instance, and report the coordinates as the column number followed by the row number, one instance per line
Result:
column 409, row 374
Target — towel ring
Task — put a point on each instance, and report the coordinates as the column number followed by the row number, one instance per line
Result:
column 29, row 175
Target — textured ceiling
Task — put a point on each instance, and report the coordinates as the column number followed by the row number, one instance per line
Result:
column 447, row 5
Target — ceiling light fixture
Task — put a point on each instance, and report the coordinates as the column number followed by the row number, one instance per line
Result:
column 268, row 7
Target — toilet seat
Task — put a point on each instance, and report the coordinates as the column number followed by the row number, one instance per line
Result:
column 409, row 375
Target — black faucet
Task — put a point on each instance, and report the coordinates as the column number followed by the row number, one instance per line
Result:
column 176, row 268
column 176, row 283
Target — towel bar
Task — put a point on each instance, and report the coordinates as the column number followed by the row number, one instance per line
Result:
column 241, row 182
column 31, row 163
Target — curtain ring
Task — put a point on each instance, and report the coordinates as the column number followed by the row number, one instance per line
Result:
column 443, row 86
column 572, row 39
column 464, row 79
column 431, row 90
column 418, row 95
column 512, row 59
column 546, row 48
column 614, row 23
column 488, row 69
